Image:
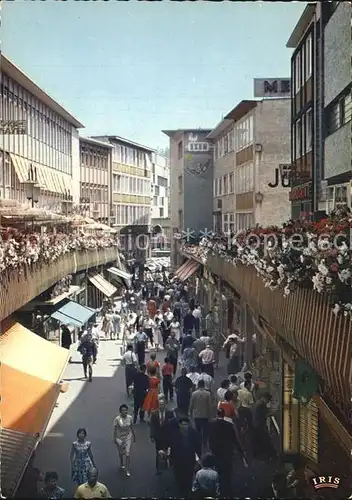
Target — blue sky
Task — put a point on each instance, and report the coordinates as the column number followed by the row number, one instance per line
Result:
column 135, row 68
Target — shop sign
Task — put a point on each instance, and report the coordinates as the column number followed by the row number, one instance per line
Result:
column 272, row 87
column 300, row 193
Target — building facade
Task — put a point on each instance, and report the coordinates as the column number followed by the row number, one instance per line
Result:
column 131, row 194
column 95, row 179
column 160, row 187
column 38, row 139
column 191, row 181
column 251, row 165
column 321, row 109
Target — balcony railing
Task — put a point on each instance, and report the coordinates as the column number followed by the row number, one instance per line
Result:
column 303, row 319
column 23, row 284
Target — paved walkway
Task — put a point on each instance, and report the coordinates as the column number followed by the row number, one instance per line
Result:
column 94, row 406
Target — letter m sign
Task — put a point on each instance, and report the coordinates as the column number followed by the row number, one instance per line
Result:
column 270, row 87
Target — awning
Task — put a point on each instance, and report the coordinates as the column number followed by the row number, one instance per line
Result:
column 21, row 166
column 120, row 273
column 73, row 314
column 49, row 179
column 31, row 369
column 187, row 269
column 101, row 284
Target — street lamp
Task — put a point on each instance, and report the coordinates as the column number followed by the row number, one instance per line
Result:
column 31, row 187
column 67, row 202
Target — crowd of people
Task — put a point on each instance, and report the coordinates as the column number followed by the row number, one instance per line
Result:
column 24, row 247
column 199, row 430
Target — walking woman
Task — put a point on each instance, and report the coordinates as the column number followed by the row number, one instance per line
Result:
column 123, row 437
column 81, row 457
column 158, row 338
column 151, row 401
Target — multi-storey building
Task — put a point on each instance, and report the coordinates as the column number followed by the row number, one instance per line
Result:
column 131, row 193
column 321, row 108
column 191, row 179
column 38, row 140
column 160, row 186
column 95, row 179
column 160, row 221
column 251, row 165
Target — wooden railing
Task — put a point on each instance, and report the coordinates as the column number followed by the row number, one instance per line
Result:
column 304, row 320
column 22, row 285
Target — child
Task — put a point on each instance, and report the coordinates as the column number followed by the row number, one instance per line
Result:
column 206, row 481
column 167, row 372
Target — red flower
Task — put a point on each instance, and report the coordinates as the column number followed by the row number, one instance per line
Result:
column 334, row 268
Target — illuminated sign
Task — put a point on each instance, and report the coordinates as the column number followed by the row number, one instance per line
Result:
column 300, row 193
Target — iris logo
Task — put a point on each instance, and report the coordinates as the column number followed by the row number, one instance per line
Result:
column 326, row 482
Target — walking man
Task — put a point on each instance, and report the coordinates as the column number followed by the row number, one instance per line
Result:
column 140, row 389
column 88, row 350
column 200, row 411
column 129, row 359
column 207, row 360
column 141, row 340
column 172, row 346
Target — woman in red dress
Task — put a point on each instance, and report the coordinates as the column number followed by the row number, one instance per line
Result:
column 151, row 401
column 152, row 308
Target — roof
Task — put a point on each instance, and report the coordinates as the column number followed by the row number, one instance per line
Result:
column 117, row 138
column 301, row 26
column 20, row 77
column 234, row 115
column 171, row 133
column 89, row 140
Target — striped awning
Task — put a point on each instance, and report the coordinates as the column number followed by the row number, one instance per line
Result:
column 102, row 284
column 21, row 166
column 49, row 179
column 187, row 270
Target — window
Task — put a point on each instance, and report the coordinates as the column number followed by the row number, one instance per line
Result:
column 298, row 132
column 161, row 181
column 180, row 150
column 231, row 141
column 346, row 106
column 297, row 70
column 231, row 186
column 162, row 201
column 157, row 191
column 243, row 133
column 198, row 146
column 308, row 61
column 225, row 185
column 243, row 221
column 220, row 186
column 308, row 131
column 226, row 144
column 180, row 219
column 336, row 196
column 215, row 186
column 225, row 223
column 232, row 223
column 161, row 212
column 155, row 201
column 180, row 184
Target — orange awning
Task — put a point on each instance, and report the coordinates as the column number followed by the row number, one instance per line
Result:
column 30, row 372
column 187, row 269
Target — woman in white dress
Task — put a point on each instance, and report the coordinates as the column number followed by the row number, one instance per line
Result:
column 176, row 327
column 158, row 338
column 123, row 437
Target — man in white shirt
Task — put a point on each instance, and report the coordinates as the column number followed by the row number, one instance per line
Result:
column 245, row 402
column 208, row 381
column 129, row 360
column 169, row 316
column 194, row 376
column 207, row 359
column 175, row 327
column 248, row 377
column 197, row 313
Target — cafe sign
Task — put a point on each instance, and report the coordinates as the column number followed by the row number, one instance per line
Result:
column 300, row 193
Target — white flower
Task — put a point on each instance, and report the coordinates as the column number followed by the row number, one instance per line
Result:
column 323, row 269
column 344, row 275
